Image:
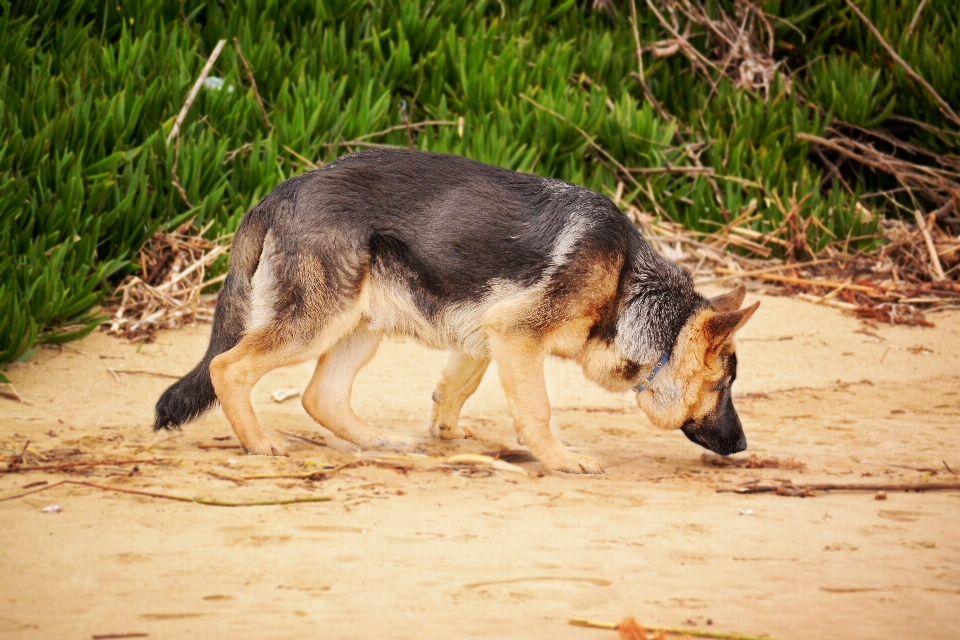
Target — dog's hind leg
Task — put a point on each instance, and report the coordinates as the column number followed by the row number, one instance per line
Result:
column 520, row 361
column 234, row 373
column 327, row 397
column 460, row 379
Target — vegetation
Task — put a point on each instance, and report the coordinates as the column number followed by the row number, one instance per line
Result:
column 89, row 91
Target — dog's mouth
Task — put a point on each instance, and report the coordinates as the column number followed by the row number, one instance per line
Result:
column 716, row 442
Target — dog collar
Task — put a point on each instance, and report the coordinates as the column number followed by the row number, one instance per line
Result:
column 642, row 385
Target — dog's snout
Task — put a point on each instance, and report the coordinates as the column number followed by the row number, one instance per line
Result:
column 721, row 433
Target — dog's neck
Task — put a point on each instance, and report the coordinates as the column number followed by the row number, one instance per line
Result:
column 659, row 300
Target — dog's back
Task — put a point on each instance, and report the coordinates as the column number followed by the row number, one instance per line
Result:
column 453, row 223
column 432, row 242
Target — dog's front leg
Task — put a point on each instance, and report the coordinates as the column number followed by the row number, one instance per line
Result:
column 520, row 361
column 460, row 379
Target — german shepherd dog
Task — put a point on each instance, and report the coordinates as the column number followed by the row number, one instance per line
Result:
column 487, row 263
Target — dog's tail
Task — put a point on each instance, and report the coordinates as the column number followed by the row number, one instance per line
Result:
column 193, row 393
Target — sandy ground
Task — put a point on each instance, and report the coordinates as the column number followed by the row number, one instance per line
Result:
column 424, row 551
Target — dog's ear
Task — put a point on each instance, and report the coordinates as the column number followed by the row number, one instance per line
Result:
column 720, row 327
column 729, row 301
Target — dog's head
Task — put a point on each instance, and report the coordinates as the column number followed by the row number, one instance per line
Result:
column 692, row 391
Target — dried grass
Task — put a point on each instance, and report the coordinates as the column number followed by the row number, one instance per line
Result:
column 166, row 293
column 895, row 284
column 737, row 50
column 917, row 268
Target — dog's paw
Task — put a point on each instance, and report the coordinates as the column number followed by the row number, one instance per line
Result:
column 267, row 447
column 574, row 464
column 443, row 431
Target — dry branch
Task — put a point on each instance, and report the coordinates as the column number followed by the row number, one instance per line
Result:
column 900, row 466
column 145, row 373
column 916, row 18
column 361, row 141
column 630, row 629
column 812, row 283
column 934, row 259
column 149, row 494
column 318, row 443
column 936, row 183
column 639, row 76
column 310, row 475
column 195, row 90
column 790, row 489
column 253, row 82
column 737, row 51
column 753, row 462
column 944, row 105
column 67, row 466
column 11, row 394
column 175, row 177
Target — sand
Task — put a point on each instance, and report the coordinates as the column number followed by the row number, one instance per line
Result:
column 413, row 549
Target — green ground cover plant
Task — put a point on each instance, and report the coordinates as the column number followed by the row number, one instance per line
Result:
column 89, row 91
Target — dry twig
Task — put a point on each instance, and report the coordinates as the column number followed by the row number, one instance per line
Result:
column 753, row 462
column 318, row 443
column 150, row 494
column 253, row 83
column 11, row 394
column 69, row 466
column 934, row 259
column 630, row 629
column 175, row 131
column 944, row 105
column 810, row 489
column 916, row 18
column 175, row 177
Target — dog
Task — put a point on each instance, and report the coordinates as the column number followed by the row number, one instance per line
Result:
column 487, row 263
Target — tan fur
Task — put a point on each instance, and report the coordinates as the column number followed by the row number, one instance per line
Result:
column 520, row 355
column 520, row 360
column 459, row 381
column 235, row 372
column 327, row 397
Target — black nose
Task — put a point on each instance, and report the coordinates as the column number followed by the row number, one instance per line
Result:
column 714, row 440
column 726, row 447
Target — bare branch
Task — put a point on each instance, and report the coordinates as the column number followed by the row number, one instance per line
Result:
column 195, row 90
column 948, row 111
